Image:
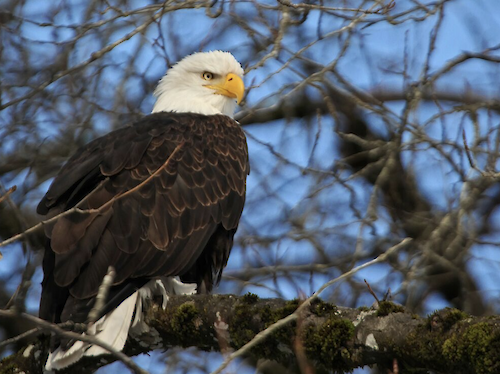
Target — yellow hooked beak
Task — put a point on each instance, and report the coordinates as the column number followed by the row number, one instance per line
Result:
column 232, row 86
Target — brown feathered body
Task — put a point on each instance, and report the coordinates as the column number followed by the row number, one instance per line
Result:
column 181, row 222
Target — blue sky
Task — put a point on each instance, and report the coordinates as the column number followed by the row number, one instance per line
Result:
column 373, row 61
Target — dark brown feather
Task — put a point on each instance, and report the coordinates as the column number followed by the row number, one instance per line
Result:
column 180, row 223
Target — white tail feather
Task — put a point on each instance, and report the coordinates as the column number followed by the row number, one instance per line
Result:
column 114, row 327
column 111, row 329
column 60, row 359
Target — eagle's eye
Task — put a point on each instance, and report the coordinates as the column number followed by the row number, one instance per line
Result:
column 208, row 76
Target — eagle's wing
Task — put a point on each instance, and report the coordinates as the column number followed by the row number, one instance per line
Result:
column 179, row 222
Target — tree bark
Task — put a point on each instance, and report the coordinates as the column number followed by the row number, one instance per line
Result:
column 324, row 337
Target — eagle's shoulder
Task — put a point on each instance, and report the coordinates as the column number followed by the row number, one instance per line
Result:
column 124, row 148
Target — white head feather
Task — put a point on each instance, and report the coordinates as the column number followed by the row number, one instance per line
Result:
column 183, row 89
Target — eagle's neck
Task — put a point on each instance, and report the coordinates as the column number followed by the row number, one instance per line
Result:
column 170, row 103
column 195, row 100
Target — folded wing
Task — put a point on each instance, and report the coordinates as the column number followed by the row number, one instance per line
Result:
column 181, row 222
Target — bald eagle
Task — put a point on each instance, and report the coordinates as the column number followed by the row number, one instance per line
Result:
column 159, row 201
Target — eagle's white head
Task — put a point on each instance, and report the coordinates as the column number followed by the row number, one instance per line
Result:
column 204, row 82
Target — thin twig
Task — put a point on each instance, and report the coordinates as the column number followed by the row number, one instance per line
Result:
column 45, row 325
column 9, row 191
column 26, row 334
column 467, row 151
column 102, row 295
column 371, row 291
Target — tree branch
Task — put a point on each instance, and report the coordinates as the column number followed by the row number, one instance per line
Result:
column 334, row 338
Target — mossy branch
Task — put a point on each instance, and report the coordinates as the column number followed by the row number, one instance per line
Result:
column 333, row 338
